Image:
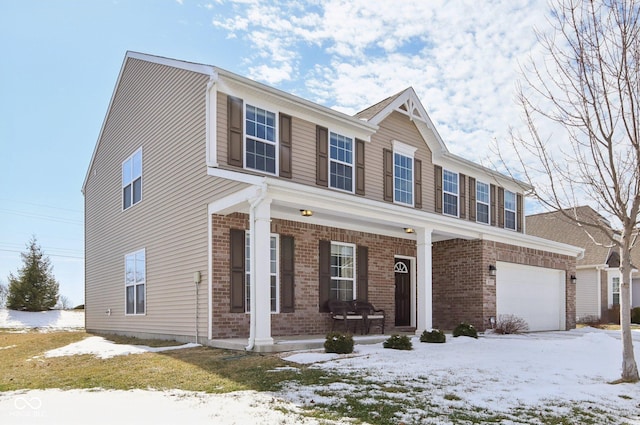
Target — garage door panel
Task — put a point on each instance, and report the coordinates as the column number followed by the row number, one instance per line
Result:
column 535, row 294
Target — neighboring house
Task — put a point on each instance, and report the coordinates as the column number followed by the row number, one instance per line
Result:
column 219, row 208
column 597, row 273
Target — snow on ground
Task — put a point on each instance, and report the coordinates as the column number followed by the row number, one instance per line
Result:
column 54, row 320
column 105, row 349
column 545, row 372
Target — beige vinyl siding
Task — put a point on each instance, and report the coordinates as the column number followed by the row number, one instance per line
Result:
column 587, row 293
column 304, row 152
column 221, row 129
column 397, row 127
column 162, row 110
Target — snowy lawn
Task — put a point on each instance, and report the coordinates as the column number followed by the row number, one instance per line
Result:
column 555, row 377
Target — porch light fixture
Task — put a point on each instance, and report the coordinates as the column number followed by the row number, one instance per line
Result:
column 492, row 270
column 573, row 279
column 409, row 230
column 306, row 213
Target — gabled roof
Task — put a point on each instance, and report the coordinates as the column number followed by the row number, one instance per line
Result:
column 556, row 227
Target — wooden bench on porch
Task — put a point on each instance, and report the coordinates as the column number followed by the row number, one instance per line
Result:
column 357, row 312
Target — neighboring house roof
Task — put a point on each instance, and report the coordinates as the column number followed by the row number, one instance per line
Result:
column 556, row 227
column 373, row 110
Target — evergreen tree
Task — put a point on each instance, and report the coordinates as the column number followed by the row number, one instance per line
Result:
column 34, row 288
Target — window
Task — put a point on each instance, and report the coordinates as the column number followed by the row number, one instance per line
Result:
column 273, row 271
column 342, row 272
column 340, row 162
column 132, row 180
column 450, row 193
column 509, row 210
column 482, row 202
column 615, row 290
column 135, row 281
column 403, row 176
column 260, row 149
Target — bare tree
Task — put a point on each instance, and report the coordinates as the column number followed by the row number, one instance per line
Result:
column 587, row 86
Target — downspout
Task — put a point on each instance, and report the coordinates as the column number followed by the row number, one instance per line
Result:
column 252, row 265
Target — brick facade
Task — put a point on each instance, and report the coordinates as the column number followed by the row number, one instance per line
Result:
column 462, row 287
column 306, row 319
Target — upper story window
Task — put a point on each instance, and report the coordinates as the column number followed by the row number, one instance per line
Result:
column 343, row 260
column 341, row 162
column 450, row 193
column 273, row 273
column 509, row 210
column 615, row 290
column 132, row 180
column 482, row 202
column 135, row 282
column 403, row 174
column 260, row 144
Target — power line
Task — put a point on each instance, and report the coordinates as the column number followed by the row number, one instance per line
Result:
column 42, row 217
column 47, row 255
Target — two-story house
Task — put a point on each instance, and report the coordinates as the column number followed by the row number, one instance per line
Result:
column 219, row 208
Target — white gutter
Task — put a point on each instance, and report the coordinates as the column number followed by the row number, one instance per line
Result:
column 252, row 265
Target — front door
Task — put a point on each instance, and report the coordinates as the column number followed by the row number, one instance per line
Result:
column 403, row 291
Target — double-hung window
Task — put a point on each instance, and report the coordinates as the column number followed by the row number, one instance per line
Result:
column 341, row 162
column 135, row 282
column 132, row 180
column 403, row 175
column 273, row 273
column 615, row 288
column 509, row 210
column 260, row 144
column 450, row 193
column 343, row 260
column 482, row 202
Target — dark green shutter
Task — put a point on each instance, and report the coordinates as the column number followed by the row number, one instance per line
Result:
column 234, row 132
column 500, row 207
column 362, row 264
column 492, row 195
column 417, row 183
column 472, row 199
column 520, row 213
column 462, row 189
column 359, row 167
column 287, row 275
column 388, row 174
column 322, row 156
column 324, row 278
column 438, row 180
column 285, row 146
column 237, row 242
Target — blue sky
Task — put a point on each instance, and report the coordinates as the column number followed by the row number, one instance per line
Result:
column 60, row 61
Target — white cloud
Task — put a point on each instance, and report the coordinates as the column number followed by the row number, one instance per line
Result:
column 461, row 57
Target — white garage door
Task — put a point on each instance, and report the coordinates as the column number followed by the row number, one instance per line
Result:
column 535, row 294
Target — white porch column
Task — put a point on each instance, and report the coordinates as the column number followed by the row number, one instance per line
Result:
column 424, row 283
column 261, row 272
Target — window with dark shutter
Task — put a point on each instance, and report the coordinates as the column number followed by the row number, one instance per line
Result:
column 500, row 207
column 322, row 156
column 287, row 274
column 417, row 183
column 492, row 197
column 362, row 259
column 234, row 131
column 237, row 272
column 463, row 199
column 472, row 199
column 360, row 167
column 324, row 278
column 285, row 146
column 388, row 174
column 438, row 180
column 520, row 212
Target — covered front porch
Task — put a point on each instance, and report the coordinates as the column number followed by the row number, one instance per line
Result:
column 267, row 209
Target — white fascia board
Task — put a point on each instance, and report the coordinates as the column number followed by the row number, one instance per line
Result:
column 400, row 216
column 236, row 176
column 480, row 172
column 230, row 203
column 174, row 63
column 236, row 85
column 595, row 267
